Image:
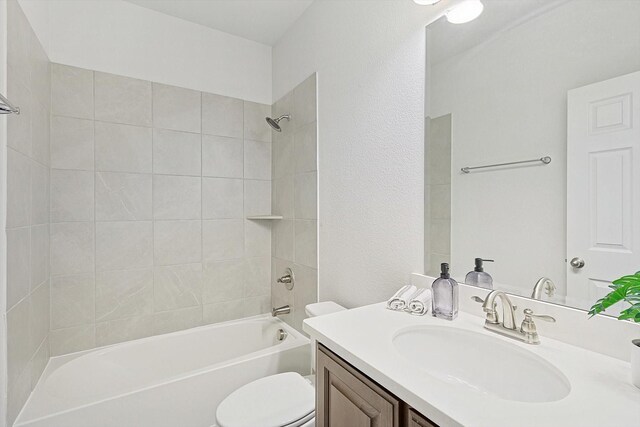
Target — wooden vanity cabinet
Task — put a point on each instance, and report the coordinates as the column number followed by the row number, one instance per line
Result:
column 345, row 397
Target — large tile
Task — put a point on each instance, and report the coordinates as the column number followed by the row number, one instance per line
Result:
column 18, row 189
column 283, row 196
column 71, row 91
column 72, row 195
column 177, row 320
column 39, row 361
column 121, row 99
column 257, row 160
column 19, row 391
column 71, row 340
column 440, row 198
column 257, row 197
column 283, row 156
column 223, row 281
column 40, row 72
column 222, row 157
column 255, row 125
column 40, row 194
column 222, row 239
column 18, row 41
column 257, row 238
column 123, row 293
column 18, row 264
column 124, row 245
column 177, row 197
column 440, row 236
column 123, row 196
column 257, row 277
column 123, row 148
column 283, row 239
column 130, row 328
column 306, row 148
column 222, row 311
column 306, row 196
column 40, row 133
column 39, row 254
column 177, row 286
column 222, row 116
column 177, row 242
column 19, row 127
column 222, row 198
column 72, row 248
column 305, row 292
column 72, row 301
column 306, row 242
column 176, row 153
column 176, row 108
column 257, row 305
column 304, row 102
column 71, row 143
column 18, row 339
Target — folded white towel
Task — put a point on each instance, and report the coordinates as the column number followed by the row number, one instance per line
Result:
column 420, row 302
column 400, row 300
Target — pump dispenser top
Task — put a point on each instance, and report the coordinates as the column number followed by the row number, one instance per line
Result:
column 445, row 295
column 478, row 277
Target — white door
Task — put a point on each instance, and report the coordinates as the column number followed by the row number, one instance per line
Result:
column 603, row 187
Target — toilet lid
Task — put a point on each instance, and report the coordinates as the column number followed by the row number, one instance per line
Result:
column 274, row 401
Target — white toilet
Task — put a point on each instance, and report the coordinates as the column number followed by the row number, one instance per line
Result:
column 281, row 400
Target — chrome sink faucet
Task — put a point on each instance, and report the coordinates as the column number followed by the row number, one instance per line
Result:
column 527, row 332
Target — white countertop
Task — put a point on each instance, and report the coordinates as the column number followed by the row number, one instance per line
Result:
column 601, row 391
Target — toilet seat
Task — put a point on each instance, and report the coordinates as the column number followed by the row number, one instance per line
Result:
column 282, row 400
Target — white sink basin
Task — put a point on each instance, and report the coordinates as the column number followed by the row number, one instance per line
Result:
column 484, row 363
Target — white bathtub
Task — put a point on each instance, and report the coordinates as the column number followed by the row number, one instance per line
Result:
column 173, row 380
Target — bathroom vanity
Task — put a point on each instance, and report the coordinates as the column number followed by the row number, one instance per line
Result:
column 345, row 396
column 377, row 367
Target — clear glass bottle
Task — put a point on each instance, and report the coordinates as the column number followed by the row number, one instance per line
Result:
column 478, row 277
column 445, row 295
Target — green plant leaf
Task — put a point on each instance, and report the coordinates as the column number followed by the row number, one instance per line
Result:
column 624, row 289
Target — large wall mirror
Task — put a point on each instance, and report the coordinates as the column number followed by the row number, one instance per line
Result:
column 533, row 146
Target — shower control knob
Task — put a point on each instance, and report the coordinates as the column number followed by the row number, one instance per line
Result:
column 577, row 262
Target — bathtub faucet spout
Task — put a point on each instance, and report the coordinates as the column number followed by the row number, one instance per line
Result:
column 285, row 309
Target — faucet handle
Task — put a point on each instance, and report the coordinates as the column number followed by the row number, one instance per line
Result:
column 528, row 314
column 477, row 299
column 481, row 301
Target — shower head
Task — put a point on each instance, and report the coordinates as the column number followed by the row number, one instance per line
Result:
column 274, row 122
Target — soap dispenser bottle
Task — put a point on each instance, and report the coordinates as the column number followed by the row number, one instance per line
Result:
column 445, row 295
column 478, row 277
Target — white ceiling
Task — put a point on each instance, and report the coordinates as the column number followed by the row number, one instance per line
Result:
column 263, row 21
column 446, row 40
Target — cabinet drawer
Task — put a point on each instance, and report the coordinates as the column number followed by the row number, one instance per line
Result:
column 414, row 419
column 346, row 398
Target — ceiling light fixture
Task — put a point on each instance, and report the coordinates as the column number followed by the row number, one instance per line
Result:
column 426, row 2
column 464, row 12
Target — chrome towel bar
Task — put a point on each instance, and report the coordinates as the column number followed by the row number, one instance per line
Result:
column 7, row 107
column 545, row 160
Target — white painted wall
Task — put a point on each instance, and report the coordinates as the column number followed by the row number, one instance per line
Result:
column 118, row 37
column 370, row 60
column 508, row 100
column 3, row 218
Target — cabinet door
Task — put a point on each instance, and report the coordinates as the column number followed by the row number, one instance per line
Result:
column 346, row 398
column 414, row 419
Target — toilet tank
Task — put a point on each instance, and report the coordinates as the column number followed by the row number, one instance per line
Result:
column 320, row 309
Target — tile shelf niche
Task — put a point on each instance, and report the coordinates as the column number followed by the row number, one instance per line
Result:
column 261, row 217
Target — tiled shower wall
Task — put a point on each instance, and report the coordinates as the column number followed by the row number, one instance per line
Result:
column 295, row 197
column 150, row 188
column 27, row 224
column 438, row 190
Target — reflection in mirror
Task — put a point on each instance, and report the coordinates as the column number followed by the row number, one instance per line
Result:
column 542, row 93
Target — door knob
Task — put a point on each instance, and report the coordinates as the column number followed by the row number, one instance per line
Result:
column 577, row 262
